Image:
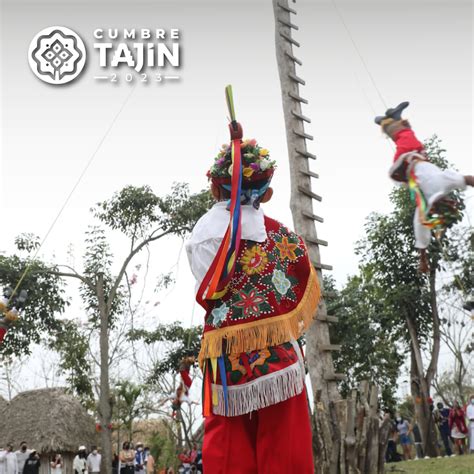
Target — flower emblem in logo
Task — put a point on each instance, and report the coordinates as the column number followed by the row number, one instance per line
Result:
column 282, row 284
column 219, row 314
column 57, row 55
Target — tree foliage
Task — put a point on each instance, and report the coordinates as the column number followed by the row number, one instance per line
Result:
column 368, row 352
column 179, row 342
column 46, row 297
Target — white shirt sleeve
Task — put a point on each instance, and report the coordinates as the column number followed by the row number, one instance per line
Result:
column 200, row 257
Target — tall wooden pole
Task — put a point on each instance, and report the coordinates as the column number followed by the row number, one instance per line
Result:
column 320, row 362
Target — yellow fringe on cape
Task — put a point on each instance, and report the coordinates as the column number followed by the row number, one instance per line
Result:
column 266, row 332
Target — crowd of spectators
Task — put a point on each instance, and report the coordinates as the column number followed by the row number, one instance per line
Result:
column 454, row 427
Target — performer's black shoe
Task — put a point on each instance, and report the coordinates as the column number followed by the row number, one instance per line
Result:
column 396, row 112
column 378, row 120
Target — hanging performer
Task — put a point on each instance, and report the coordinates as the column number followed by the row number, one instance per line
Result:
column 182, row 392
column 10, row 306
column 429, row 185
column 260, row 293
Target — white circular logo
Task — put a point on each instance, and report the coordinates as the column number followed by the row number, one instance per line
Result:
column 57, row 55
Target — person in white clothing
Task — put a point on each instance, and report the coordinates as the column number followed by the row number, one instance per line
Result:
column 470, row 417
column 57, row 465
column 3, row 454
column 93, row 461
column 11, row 463
column 21, row 456
column 80, row 461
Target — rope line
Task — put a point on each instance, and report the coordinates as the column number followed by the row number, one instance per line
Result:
column 358, row 52
column 68, row 198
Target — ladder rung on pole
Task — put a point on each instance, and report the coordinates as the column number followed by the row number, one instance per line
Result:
column 331, row 347
column 297, row 79
column 317, row 242
column 297, row 97
column 310, row 193
column 305, row 153
column 301, row 117
column 294, row 58
column 287, row 8
column 322, row 266
column 288, row 24
column 313, row 217
column 311, row 174
column 303, row 135
column 327, row 318
column 289, row 39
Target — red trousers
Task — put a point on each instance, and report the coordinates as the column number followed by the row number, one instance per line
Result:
column 276, row 439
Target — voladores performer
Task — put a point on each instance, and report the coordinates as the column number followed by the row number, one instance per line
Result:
column 260, row 293
column 430, row 186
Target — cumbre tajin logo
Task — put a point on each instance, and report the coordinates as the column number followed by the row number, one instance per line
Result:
column 57, row 55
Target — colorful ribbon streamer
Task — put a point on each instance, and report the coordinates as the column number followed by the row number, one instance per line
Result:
column 214, row 284
column 431, row 220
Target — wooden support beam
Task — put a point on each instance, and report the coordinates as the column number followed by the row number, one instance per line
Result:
column 327, row 318
column 301, row 117
column 303, row 135
column 288, row 24
column 310, row 193
column 311, row 174
column 287, row 9
column 294, row 58
column 313, row 217
column 322, row 266
column 331, row 347
column 297, row 97
column 305, row 153
column 297, row 79
column 289, row 39
column 324, row 243
column 335, row 377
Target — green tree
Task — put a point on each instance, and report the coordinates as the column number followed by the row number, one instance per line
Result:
column 367, row 352
column 46, row 299
column 409, row 301
column 127, row 405
column 176, row 342
column 143, row 218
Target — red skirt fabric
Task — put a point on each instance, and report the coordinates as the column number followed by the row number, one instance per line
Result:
column 274, row 439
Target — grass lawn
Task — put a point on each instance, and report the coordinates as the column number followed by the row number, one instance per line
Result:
column 456, row 465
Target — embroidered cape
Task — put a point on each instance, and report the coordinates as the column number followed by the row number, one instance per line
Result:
column 271, row 299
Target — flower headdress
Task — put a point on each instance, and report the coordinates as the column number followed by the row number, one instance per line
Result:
column 256, row 163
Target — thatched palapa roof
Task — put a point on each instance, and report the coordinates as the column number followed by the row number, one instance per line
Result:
column 49, row 420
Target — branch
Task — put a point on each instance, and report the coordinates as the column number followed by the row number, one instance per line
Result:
column 73, row 274
column 137, row 249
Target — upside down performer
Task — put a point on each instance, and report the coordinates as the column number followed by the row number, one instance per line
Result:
column 10, row 306
column 260, row 293
column 429, row 185
column 182, row 392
